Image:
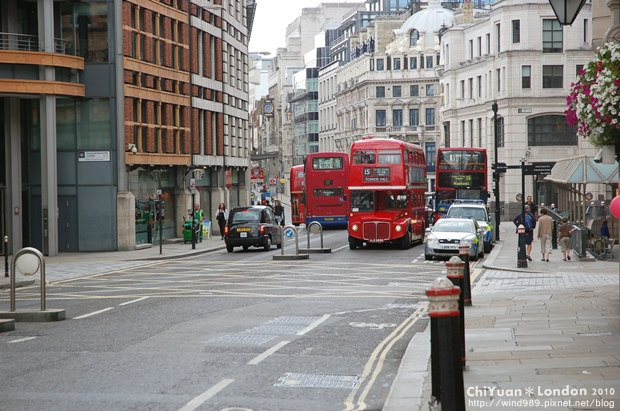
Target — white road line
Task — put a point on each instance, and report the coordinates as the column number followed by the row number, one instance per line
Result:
column 93, row 313
column 21, row 340
column 267, row 353
column 205, row 396
column 340, row 248
column 314, row 325
column 134, row 301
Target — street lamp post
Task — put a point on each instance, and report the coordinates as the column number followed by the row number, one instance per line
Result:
column 522, row 255
column 496, row 172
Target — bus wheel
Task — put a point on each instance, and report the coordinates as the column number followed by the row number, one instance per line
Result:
column 405, row 241
column 353, row 243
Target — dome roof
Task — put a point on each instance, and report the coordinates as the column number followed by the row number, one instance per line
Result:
column 428, row 20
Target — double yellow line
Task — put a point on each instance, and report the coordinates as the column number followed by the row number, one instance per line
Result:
column 374, row 365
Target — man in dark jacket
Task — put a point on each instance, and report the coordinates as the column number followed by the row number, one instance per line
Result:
column 529, row 222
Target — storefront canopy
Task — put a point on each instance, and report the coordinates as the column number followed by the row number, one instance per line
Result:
column 583, row 170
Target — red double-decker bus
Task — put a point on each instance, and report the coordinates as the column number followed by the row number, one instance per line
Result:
column 326, row 183
column 387, row 181
column 298, row 195
column 461, row 174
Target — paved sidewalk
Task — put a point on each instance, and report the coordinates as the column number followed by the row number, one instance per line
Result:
column 542, row 337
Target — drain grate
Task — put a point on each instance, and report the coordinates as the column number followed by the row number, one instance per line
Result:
column 276, row 329
column 295, row 380
column 294, row 320
column 241, row 339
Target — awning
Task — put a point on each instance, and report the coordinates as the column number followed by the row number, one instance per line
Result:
column 583, row 170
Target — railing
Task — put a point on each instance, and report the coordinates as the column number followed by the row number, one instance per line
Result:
column 28, row 42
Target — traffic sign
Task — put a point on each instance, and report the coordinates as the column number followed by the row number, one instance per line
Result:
column 535, row 169
column 500, row 167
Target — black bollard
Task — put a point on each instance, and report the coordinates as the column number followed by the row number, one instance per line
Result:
column 464, row 254
column 455, row 267
column 521, row 254
column 554, row 236
column 443, row 307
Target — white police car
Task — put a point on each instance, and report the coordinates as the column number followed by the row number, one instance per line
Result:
column 479, row 211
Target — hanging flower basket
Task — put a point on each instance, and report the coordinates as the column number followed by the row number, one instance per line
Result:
column 594, row 100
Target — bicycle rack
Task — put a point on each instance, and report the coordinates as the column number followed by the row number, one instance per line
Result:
column 315, row 228
column 290, row 231
column 30, row 268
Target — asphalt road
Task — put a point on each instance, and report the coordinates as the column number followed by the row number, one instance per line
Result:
column 223, row 331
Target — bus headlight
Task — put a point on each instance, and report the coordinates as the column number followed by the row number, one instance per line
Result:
column 355, row 227
column 399, row 228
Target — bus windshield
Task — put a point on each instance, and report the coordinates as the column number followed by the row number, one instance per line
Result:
column 362, row 201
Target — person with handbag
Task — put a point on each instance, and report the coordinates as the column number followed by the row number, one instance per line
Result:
column 221, row 215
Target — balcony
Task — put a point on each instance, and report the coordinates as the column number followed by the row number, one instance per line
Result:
column 28, row 42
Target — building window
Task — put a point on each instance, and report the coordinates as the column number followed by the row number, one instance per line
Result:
column 586, row 30
column 414, row 90
column 550, row 130
column 413, row 63
column 500, row 132
column 396, row 91
column 578, row 69
column 479, row 85
column 380, row 91
column 462, row 88
column 471, row 49
column 470, row 83
column 552, row 36
column 429, row 61
column 430, row 89
column 553, row 76
column 414, row 117
column 414, row 36
column 479, row 44
column 431, row 155
column 488, row 40
column 498, row 38
column 397, row 117
column 516, row 31
column 526, row 76
column 380, row 118
column 380, row 65
column 430, row 116
column 499, row 79
column 396, row 64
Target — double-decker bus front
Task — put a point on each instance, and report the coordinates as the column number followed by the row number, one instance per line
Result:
column 461, row 174
column 298, row 197
column 387, row 181
column 326, row 183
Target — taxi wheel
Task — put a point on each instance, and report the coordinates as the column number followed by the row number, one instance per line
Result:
column 268, row 244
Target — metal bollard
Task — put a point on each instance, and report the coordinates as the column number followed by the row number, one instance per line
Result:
column 455, row 268
column 6, row 255
column 464, row 254
column 446, row 369
column 521, row 254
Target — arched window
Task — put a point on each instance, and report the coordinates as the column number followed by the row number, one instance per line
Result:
column 414, row 36
column 550, row 130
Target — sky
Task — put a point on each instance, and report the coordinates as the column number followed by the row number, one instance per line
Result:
column 271, row 19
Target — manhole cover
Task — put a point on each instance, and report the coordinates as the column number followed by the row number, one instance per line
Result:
column 296, row 380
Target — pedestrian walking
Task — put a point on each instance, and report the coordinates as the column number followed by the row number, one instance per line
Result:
column 221, row 215
column 529, row 222
column 199, row 217
column 604, row 229
column 279, row 212
column 545, row 232
column 564, row 232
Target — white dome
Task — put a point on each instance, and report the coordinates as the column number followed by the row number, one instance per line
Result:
column 428, row 21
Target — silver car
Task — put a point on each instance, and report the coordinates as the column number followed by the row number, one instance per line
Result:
column 445, row 236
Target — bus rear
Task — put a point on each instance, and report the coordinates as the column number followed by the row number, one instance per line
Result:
column 298, row 197
column 326, row 182
column 461, row 174
column 387, row 181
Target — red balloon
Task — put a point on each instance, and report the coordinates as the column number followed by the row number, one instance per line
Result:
column 614, row 207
